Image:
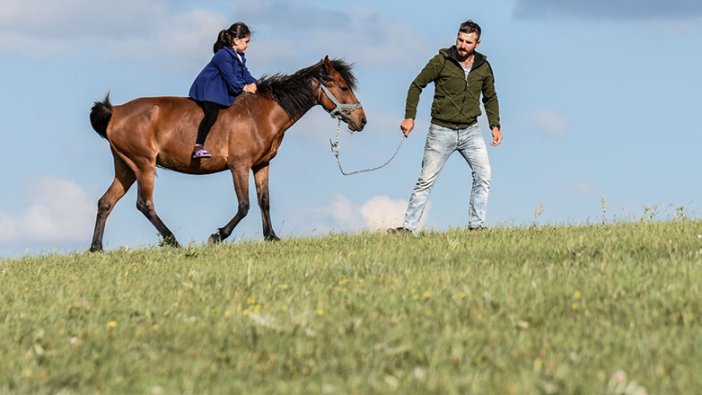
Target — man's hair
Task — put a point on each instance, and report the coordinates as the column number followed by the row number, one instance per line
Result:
column 469, row 27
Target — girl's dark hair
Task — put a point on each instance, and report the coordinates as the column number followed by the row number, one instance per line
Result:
column 469, row 27
column 225, row 38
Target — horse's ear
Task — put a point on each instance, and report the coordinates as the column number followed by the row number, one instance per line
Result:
column 328, row 67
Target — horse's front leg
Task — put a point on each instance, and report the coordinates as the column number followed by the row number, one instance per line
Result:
column 261, row 178
column 241, row 187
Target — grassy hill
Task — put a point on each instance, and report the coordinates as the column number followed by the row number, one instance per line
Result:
column 608, row 309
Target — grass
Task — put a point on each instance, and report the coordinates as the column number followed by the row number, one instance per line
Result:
column 608, row 309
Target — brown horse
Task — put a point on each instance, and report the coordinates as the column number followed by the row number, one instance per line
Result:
column 160, row 131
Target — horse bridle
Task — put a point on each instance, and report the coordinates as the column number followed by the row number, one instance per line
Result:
column 342, row 110
column 341, row 113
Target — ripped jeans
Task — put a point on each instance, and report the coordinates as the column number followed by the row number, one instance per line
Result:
column 441, row 143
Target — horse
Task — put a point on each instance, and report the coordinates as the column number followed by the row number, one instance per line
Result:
column 151, row 132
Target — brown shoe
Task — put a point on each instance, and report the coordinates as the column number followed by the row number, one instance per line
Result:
column 400, row 230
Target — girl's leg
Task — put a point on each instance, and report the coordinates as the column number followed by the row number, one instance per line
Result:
column 211, row 113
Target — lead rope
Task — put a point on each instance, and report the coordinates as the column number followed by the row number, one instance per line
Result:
column 335, row 150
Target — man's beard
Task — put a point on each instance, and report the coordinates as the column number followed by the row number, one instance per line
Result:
column 463, row 54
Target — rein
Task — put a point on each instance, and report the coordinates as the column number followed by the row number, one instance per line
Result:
column 336, row 151
column 340, row 113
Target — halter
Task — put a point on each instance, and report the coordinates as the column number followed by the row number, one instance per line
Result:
column 342, row 110
column 341, row 113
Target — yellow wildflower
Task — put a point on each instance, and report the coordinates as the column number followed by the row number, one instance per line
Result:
column 111, row 324
column 538, row 364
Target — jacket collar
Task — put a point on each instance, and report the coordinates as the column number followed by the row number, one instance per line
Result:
column 234, row 54
column 451, row 53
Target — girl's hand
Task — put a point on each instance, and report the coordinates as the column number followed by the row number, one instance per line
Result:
column 250, row 88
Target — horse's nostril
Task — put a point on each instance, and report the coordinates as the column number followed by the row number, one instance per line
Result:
column 363, row 120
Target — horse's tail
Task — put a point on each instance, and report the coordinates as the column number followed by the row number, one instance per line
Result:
column 100, row 116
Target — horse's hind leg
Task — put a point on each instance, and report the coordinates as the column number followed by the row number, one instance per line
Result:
column 124, row 178
column 241, row 187
column 145, row 203
column 261, row 178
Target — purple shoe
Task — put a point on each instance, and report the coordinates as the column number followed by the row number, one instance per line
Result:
column 200, row 152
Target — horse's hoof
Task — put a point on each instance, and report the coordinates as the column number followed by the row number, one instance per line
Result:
column 215, row 238
column 170, row 241
column 173, row 242
column 271, row 238
column 96, row 248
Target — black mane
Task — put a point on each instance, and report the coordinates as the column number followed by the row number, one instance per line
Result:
column 294, row 92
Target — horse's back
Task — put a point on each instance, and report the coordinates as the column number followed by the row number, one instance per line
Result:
column 148, row 114
column 161, row 104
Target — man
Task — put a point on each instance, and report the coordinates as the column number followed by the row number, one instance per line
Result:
column 460, row 76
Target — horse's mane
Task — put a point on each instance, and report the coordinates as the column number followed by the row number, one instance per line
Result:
column 294, row 92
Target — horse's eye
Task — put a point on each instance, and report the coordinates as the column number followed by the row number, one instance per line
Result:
column 344, row 88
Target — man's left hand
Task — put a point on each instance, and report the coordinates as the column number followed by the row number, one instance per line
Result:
column 496, row 137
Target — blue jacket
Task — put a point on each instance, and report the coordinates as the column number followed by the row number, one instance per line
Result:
column 222, row 79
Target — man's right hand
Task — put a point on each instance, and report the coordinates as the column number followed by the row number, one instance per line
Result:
column 406, row 126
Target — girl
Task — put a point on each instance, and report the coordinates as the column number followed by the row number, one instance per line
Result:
column 224, row 78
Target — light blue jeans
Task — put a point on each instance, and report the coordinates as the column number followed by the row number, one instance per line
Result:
column 441, row 143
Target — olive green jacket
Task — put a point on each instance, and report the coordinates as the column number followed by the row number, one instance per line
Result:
column 456, row 101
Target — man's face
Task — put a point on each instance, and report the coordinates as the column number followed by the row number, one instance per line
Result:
column 466, row 43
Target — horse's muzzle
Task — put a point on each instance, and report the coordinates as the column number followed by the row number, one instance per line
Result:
column 356, row 122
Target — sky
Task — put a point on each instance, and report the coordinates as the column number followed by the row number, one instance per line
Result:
column 599, row 108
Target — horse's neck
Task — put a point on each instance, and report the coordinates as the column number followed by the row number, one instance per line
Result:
column 287, row 120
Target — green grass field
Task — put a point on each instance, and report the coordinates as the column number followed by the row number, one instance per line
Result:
column 603, row 309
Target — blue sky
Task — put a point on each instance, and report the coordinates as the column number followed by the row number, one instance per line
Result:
column 599, row 102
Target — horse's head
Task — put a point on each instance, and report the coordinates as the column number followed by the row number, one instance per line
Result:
column 336, row 94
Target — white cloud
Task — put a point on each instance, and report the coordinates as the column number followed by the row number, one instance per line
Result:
column 614, row 10
column 549, row 122
column 361, row 34
column 286, row 35
column 57, row 211
column 151, row 30
column 377, row 213
column 345, row 213
column 381, row 212
column 22, row 43
column 75, row 19
column 183, row 39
